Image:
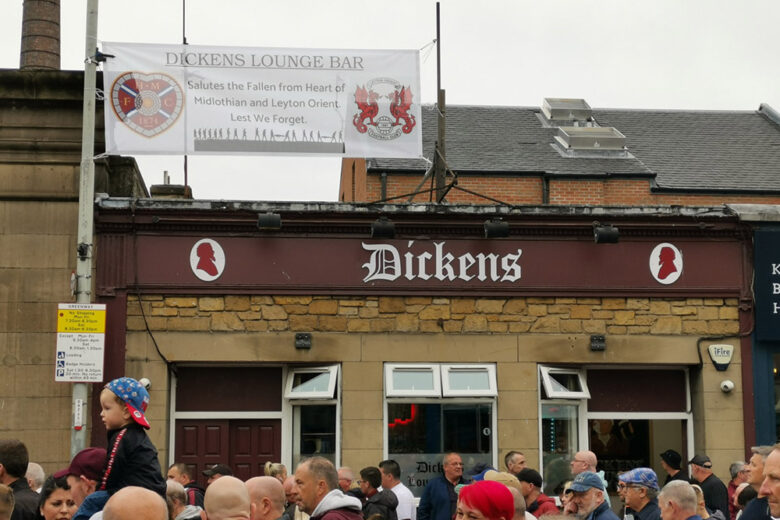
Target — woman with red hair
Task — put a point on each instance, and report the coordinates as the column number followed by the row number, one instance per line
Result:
column 485, row 500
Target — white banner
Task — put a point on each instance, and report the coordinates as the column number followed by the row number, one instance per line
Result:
column 193, row 99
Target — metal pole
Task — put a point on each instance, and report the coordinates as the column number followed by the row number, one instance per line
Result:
column 184, row 42
column 78, row 440
column 439, row 154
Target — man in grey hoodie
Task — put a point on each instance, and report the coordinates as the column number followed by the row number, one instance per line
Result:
column 176, row 497
column 319, row 495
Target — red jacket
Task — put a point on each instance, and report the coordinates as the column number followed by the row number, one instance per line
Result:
column 543, row 505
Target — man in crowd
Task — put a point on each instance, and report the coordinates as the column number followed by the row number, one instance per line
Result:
column 317, row 483
column 391, row 479
column 587, row 461
column 292, row 512
column 639, row 490
column 267, row 498
column 588, row 493
column 176, row 497
column 181, row 474
column 677, row 501
column 84, row 473
column 439, row 499
column 739, row 474
column 755, row 475
column 536, row 502
column 13, row 466
column 135, row 503
column 216, row 471
column 382, row 503
column 770, row 487
column 35, row 476
column 758, row 508
column 671, row 461
column 227, row 499
column 347, row 484
column 716, row 496
column 514, row 462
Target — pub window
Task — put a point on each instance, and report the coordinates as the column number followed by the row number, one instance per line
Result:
column 311, row 382
column 468, row 380
column 432, row 409
column 412, row 380
column 564, row 383
column 313, row 392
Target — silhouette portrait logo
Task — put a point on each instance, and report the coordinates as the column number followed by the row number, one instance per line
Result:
column 666, row 263
column 207, row 260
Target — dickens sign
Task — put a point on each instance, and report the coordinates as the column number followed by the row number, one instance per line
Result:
column 350, row 265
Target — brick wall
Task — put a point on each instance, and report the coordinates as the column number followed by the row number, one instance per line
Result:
column 528, row 190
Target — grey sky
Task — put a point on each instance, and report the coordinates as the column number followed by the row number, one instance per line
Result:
column 649, row 54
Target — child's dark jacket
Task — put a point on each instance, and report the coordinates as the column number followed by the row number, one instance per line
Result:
column 131, row 461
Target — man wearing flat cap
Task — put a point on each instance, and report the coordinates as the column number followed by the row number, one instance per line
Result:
column 671, row 461
column 216, row 471
column 639, row 490
column 587, row 490
column 716, row 496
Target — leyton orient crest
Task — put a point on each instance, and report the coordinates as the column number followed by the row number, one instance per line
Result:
column 383, row 106
column 147, row 103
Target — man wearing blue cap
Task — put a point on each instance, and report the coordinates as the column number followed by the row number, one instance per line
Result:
column 639, row 490
column 587, row 491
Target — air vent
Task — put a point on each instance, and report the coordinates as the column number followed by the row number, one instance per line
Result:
column 590, row 138
column 562, row 110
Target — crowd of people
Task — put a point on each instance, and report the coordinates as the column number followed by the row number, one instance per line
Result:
column 125, row 482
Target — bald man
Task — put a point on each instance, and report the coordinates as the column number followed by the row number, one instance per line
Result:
column 135, row 503
column 587, row 461
column 267, row 498
column 227, row 499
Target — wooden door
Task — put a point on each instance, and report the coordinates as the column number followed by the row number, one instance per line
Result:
column 243, row 444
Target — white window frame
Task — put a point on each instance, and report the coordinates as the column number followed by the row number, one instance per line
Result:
column 391, row 368
column 546, row 371
column 332, row 370
column 291, row 408
column 490, row 369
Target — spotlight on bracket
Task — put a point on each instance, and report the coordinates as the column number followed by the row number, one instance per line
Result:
column 383, row 227
column 496, row 228
column 269, row 221
column 605, row 233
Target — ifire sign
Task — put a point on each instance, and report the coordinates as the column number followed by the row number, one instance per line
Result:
column 81, row 332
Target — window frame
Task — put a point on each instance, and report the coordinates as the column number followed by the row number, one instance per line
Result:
column 545, row 372
column 391, row 391
column 329, row 394
column 489, row 368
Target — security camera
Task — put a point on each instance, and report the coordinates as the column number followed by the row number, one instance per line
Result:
column 726, row 386
column 148, row 384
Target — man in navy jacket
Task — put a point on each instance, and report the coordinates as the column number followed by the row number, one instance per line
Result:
column 439, row 499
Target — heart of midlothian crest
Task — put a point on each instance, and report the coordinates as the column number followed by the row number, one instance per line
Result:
column 147, row 103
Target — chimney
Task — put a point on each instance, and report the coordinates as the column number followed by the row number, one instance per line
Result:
column 40, row 35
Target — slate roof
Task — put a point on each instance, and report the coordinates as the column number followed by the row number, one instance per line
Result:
column 682, row 150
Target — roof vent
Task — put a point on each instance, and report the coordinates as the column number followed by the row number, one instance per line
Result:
column 566, row 110
column 594, row 141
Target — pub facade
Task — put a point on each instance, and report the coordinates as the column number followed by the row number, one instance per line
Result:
column 360, row 332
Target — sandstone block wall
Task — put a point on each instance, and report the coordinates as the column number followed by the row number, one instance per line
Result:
column 362, row 333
